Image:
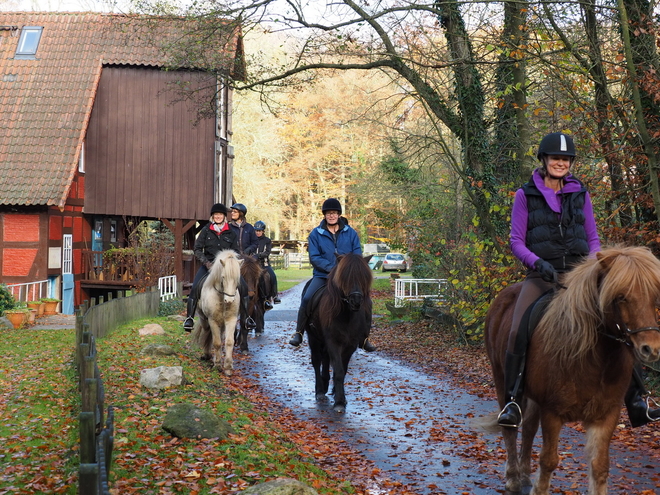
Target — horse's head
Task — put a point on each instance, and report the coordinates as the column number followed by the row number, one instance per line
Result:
column 352, row 278
column 354, row 299
column 630, row 291
column 225, row 275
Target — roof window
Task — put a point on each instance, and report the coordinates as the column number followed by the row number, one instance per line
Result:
column 28, row 42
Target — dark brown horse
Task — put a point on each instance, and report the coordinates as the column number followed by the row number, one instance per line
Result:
column 580, row 360
column 340, row 323
column 251, row 272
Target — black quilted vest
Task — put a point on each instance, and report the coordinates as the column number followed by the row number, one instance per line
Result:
column 559, row 239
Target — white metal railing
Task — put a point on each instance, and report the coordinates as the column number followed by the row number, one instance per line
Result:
column 418, row 289
column 30, row 291
column 167, row 287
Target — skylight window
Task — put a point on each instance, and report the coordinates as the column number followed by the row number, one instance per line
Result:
column 28, row 42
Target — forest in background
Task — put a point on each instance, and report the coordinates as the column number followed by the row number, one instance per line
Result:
column 424, row 117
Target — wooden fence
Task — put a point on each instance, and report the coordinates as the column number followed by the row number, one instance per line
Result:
column 96, row 431
column 104, row 317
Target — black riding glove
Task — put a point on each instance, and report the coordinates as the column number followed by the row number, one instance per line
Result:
column 547, row 271
column 208, row 265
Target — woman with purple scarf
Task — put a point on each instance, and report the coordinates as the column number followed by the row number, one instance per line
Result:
column 552, row 229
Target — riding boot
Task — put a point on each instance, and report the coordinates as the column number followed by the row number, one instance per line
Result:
column 514, row 366
column 638, row 408
column 249, row 322
column 276, row 300
column 268, row 305
column 368, row 346
column 191, row 307
column 297, row 337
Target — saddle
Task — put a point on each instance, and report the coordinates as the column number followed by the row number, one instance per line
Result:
column 196, row 292
column 313, row 302
column 533, row 315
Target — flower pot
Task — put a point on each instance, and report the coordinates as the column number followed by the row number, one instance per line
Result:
column 50, row 307
column 32, row 315
column 16, row 318
column 39, row 306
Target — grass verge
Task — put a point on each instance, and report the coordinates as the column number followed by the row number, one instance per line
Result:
column 39, row 407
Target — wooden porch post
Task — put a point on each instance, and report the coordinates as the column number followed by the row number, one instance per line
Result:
column 178, row 229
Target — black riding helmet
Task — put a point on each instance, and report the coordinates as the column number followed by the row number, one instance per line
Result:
column 259, row 225
column 218, row 208
column 556, row 143
column 240, row 207
column 331, row 204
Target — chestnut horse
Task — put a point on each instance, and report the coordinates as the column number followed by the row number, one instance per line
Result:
column 579, row 361
column 339, row 324
column 251, row 272
column 218, row 310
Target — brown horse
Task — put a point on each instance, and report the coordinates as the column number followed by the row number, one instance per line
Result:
column 251, row 272
column 580, row 360
column 340, row 323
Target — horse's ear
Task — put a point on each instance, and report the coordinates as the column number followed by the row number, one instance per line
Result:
column 368, row 258
column 605, row 261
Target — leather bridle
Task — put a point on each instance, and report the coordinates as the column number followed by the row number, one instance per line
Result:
column 624, row 331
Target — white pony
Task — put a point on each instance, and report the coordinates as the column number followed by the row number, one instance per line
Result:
column 218, row 308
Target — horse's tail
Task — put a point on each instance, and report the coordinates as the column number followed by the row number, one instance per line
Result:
column 486, row 424
column 201, row 338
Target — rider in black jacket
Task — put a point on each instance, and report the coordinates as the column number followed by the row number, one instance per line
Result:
column 214, row 237
column 264, row 247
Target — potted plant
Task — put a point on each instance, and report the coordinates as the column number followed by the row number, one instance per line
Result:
column 38, row 305
column 50, row 305
column 18, row 316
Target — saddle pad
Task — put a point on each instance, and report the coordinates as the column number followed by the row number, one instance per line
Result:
column 535, row 312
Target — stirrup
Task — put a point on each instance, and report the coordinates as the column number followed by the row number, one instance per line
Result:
column 503, row 409
column 648, row 408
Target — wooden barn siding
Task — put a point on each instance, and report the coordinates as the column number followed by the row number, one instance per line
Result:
column 143, row 155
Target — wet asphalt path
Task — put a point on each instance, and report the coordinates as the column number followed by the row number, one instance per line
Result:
column 413, row 426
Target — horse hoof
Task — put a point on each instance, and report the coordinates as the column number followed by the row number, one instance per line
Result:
column 321, row 398
column 228, row 372
column 339, row 409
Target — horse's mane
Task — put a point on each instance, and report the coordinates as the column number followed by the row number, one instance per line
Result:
column 569, row 328
column 350, row 273
column 251, row 270
column 227, row 267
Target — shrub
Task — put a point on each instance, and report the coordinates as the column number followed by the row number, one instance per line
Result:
column 171, row 307
column 7, row 301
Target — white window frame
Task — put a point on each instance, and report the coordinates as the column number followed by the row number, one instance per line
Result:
column 26, row 32
column 81, row 159
column 67, row 254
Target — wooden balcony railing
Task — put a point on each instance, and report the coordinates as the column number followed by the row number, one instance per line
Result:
column 94, row 268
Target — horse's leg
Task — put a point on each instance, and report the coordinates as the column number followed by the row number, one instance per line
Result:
column 217, row 341
column 548, row 458
column 598, row 452
column 529, row 429
column 339, row 358
column 229, row 327
column 315, row 348
column 512, row 466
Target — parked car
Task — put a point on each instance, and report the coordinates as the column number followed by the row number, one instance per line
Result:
column 395, row 261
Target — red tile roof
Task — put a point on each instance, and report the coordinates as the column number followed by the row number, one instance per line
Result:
column 45, row 102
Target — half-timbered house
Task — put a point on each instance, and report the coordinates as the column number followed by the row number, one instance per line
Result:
column 95, row 136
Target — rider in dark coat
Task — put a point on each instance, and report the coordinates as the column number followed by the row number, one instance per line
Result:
column 264, row 246
column 214, row 237
column 333, row 236
column 247, row 237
